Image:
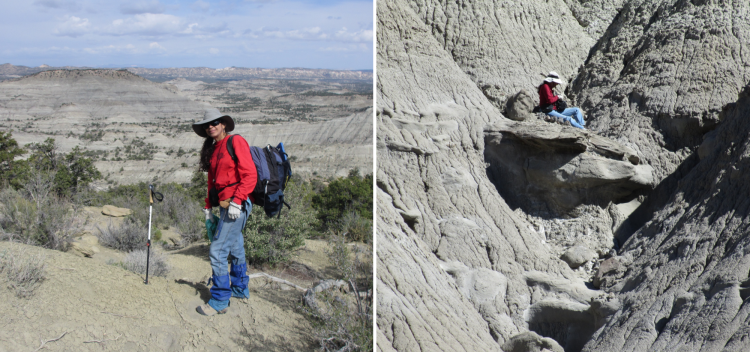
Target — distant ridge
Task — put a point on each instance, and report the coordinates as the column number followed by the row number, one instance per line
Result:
column 72, row 73
column 10, row 71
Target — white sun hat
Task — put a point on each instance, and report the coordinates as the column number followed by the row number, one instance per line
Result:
column 552, row 76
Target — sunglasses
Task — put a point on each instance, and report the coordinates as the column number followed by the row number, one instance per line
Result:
column 212, row 123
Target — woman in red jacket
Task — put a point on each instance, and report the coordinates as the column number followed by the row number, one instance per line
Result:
column 548, row 98
column 229, row 184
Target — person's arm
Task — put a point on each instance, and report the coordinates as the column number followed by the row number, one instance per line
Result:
column 546, row 96
column 245, row 170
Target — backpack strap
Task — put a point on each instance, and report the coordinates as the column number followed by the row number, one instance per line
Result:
column 230, row 149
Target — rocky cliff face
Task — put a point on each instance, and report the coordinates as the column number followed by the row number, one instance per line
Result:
column 495, row 234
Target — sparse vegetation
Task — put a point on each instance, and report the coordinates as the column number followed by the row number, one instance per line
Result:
column 342, row 196
column 272, row 240
column 23, row 269
column 37, row 216
column 126, row 237
column 135, row 261
column 341, row 321
column 181, row 209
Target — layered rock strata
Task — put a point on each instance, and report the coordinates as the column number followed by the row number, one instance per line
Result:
column 551, row 169
column 458, row 269
column 683, row 277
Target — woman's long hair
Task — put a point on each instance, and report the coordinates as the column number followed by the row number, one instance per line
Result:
column 206, row 152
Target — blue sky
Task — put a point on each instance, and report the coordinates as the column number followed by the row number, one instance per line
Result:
column 200, row 33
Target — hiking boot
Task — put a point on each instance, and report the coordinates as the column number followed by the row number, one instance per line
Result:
column 207, row 310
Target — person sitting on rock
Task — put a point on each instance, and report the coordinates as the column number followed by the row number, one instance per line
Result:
column 553, row 106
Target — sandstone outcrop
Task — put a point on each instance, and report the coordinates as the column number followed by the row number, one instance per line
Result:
column 549, row 168
column 466, row 195
column 458, row 269
column 111, row 210
column 483, row 37
column 662, row 73
column 683, row 277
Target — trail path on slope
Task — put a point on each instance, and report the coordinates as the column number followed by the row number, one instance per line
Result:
column 99, row 307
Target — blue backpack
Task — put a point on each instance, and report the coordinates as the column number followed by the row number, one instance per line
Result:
column 274, row 171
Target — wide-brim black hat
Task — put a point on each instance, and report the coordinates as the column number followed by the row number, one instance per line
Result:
column 211, row 115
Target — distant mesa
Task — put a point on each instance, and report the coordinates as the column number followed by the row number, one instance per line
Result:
column 9, row 71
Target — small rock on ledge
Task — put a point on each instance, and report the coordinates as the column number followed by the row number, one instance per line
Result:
column 111, row 210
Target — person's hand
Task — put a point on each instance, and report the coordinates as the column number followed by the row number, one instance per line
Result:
column 234, row 210
column 208, row 213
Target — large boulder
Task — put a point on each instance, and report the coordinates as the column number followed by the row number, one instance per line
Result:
column 520, row 106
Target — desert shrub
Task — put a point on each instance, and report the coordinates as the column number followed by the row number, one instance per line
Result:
column 272, row 240
column 135, row 261
column 198, row 185
column 11, row 170
column 178, row 210
column 126, row 237
column 343, row 322
column 356, row 227
column 349, row 194
column 73, row 172
column 39, row 218
column 23, row 269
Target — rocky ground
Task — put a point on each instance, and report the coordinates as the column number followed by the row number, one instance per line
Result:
column 86, row 304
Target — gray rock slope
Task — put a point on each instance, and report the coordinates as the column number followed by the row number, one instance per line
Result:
column 482, row 37
column 683, row 278
column 659, row 77
column 466, row 220
column 458, row 269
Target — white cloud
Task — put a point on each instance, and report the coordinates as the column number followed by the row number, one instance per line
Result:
column 214, row 51
column 314, row 33
column 73, row 27
column 364, row 35
column 58, row 4
column 148, row 24
column 141, row 7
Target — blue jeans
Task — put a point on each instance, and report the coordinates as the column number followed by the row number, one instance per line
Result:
column 228, row 248
column 576, row 121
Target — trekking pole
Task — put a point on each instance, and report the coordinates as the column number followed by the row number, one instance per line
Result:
column 151, row 196
column 148, row 243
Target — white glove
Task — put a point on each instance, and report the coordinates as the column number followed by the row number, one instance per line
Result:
column 234, row 210
column 208, row 213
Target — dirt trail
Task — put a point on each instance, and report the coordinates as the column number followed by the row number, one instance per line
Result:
column 101, row 307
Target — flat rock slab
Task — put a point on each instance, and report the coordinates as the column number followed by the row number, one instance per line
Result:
column 111, row 210
column 552, row 168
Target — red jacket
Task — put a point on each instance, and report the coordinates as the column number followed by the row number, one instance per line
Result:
column 546, row 95
column 224, row 171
